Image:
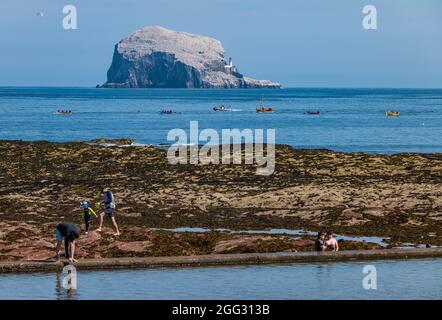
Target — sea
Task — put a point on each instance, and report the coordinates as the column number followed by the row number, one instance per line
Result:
column 399, row 279
column 350, row 120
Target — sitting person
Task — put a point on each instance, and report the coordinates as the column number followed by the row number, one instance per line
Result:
column 319, row 243
column 331, row 243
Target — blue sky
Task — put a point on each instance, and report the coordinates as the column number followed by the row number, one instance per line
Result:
column 300, row 43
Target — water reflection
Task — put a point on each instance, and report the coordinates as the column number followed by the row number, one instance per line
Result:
column 323, row 275
column 401, row 279
column 61, row 293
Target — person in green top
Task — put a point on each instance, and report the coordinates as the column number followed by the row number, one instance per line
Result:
column 86, row 214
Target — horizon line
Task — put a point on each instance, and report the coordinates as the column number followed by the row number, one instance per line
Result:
column 227, row 89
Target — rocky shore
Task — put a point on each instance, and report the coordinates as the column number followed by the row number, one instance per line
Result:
column 41, row 184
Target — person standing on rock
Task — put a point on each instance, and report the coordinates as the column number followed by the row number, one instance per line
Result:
column 109, row 207
column 86, row 215
column 69, row 232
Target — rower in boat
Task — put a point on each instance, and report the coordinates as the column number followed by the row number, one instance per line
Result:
column 259, row 110
column 64, row 112
column 168, row 111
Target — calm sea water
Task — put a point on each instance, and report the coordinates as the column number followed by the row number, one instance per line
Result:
column 351, row 119
column 412, row 279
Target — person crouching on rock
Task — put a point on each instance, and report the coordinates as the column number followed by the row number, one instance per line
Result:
column 86, row 214
column 69, row 232
column 331, row 243
column 109, row 207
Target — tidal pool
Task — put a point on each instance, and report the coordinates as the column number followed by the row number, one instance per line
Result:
column 293, row 232
column 396, row 279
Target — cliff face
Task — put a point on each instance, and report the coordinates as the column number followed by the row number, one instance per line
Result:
column 155, row 57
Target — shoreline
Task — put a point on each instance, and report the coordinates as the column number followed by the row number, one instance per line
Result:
column 133, row 143
column 213, row 260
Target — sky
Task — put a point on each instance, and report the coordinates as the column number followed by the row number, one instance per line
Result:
column 300, row 43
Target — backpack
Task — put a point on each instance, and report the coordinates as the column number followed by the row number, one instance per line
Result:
column 112, row 203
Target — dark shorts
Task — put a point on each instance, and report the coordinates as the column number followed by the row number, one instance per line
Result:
column 109, row 212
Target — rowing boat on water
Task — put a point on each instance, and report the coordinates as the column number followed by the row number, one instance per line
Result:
column 392, row 113
column 222, row 108
column 64, row 112
column 262, row 109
